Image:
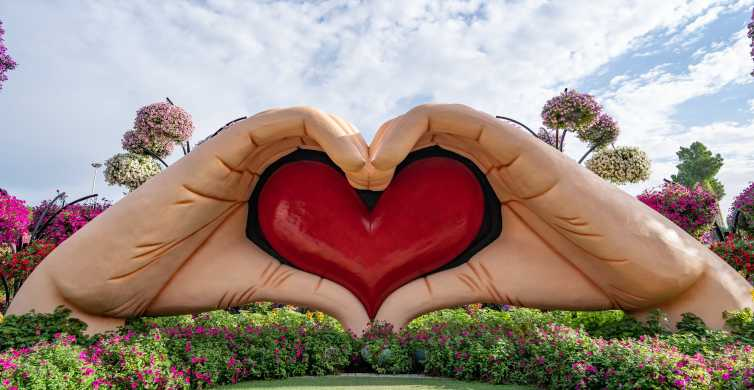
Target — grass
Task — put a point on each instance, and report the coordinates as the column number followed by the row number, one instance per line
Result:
column 371, row 383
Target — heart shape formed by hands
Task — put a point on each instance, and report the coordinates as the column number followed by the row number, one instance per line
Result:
column 431, row 217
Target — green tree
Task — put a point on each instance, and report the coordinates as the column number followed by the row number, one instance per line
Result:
column 699, row 166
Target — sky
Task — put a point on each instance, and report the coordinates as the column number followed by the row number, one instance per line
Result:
column 670, row 72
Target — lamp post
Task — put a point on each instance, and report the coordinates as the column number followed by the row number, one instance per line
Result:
column 96, row 166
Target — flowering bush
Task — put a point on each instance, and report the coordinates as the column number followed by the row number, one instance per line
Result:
column 692, row 210
column 71, row 219
column 14, row 219
column 519, row 346
column 6, row 62
column 620, row 165
column 18, row 266
column 23, row 331
column 130, row 170
column 164, row 120
column 187, row 352
column 570, row 110
column 737, row 252
column 743, row 204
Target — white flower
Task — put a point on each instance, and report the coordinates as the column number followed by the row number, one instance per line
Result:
column 620, row 165
column 130, row 169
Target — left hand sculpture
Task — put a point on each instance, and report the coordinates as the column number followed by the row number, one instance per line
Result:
column 177, row 244
column 570, row 240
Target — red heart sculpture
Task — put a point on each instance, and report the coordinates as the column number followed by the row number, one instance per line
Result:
column 430, row 213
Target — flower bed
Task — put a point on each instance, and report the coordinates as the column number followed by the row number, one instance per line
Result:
column 520, row 346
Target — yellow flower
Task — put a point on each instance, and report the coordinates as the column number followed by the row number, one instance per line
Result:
column 309, row 315
column 320, row 316
column 752, row 294
column 1, row 318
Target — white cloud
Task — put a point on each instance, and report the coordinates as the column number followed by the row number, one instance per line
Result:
column 82, row 75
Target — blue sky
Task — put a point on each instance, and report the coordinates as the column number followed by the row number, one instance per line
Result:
column 671, row 72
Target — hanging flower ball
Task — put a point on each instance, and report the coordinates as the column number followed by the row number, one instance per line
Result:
column 620, row 165
column 602, row 132
column 139, row 142
column 130, row 170
column 6, row 63
column 14, row 219
column 570, row 110
column 693, row 210
column 164, row 120
column 744, row 205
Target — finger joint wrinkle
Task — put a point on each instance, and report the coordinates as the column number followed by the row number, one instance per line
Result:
column 207, row 196
column 542, row 193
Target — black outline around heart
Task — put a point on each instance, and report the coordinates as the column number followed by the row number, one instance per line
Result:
column 489, row 231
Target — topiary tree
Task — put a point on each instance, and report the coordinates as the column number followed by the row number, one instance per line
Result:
column 694, row 210
column 6, row 62
column 158, row 127
column 699, row 166
column 581, row 114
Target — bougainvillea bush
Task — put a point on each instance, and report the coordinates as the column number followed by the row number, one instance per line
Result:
column 518, row 346
column 69, row 220
column 6, row 62
column 743, row 209
column 693, row 210
column 14, row 219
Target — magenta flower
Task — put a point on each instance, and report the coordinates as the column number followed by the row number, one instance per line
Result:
column 692, row 210
column 6, row 63
column 743, row 203
column 70, row 220
column 14, row 219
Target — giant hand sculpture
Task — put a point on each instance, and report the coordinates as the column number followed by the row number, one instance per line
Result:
column 569, row 240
